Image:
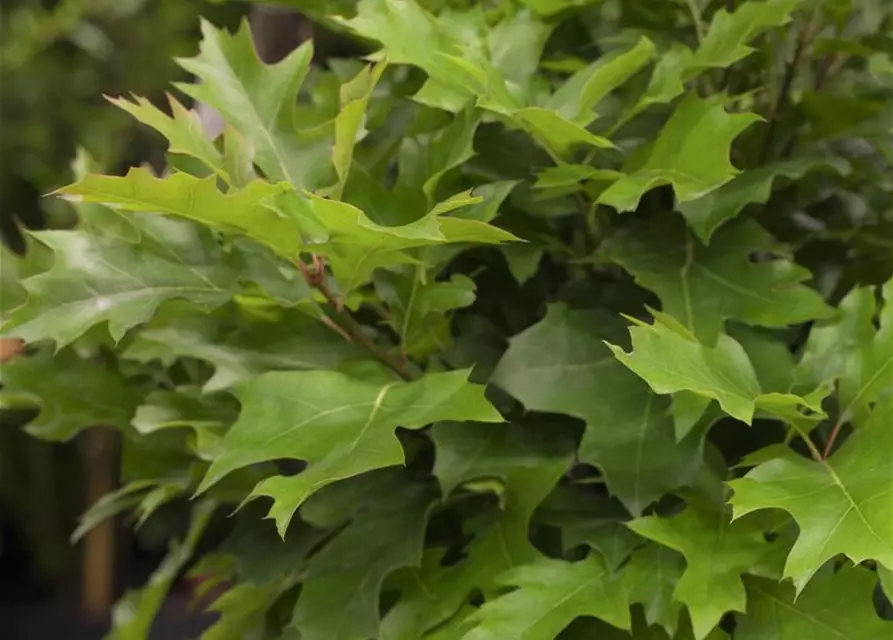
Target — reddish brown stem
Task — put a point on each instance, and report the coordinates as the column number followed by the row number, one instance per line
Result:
column 831, row 438
column 348, row 327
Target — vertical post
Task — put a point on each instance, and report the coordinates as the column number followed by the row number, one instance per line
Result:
column 98, row 578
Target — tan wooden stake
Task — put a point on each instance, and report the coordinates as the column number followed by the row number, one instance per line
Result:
column 98, row 577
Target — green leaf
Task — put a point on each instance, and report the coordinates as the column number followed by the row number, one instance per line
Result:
column 72, row 393
column 728, row 35
column 339, row 598
column 14, row 269
column 586, row 517
column 281, row 219
column 206, row 415
column 182, row 128
column 717, row 553
column 111, row 504
column 133, row 615
column 424, row 160
column 580, row 94
column 523, row 465
column 259, row 101
column 704, row 286
column 842, row 505
column 342, row 426
column 832, row 342
column 250, row 211
column 651, row 578
column 562, row 365
column 549, row 595
column 705, row 215
column 556, row 133
column 292, row 341
column 869, row 369
column 96, row 279
column 355, row 96
column 418, row 310
column 242, row 610
column 670, row 359
column 691, row 153
column 834, row 606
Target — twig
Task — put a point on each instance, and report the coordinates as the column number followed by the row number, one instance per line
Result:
column 831, row 438
column 349, row 328
column 787, row 84
column 696, row 18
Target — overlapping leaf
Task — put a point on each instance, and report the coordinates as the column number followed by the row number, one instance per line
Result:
column 342, row 426
column 691, row 154
column 586, row 517
column 651, row 578
column 842, row 505
column 273, row 215
column 562, row 365
column 834, row 606
column 704, row 286
column 340, row 597
column 868, row 371
column 294, row 341
column 183, row 129
column 96, row 279
column 717, row 553
column 259, row 101
column 670, row 359
column 706, row 214
column 726, row 40
column 72, row 394
column 549, row 595
column 522, row 466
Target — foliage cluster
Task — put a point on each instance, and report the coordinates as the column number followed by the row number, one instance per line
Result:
column 557, row 319
column 57, row 59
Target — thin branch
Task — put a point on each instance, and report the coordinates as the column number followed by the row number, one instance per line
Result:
column 803, row 39
column 696, row 18
column 349, row 328
column 831, row 438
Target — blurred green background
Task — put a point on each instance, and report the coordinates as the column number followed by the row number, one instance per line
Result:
column 58, row 58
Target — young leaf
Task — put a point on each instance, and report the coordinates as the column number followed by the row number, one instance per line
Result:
column 549, row 595
column 259, row 101
column 562, row 365
column 834, row 606
column 670, row 359
column 285, row 221
column 355, row 97
column 576, row 98
column 183, row 129
column 691, row 153
column 717, row 553
column 843, row 505
column 728, row 35
column 342, row 426
column 704, row 286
